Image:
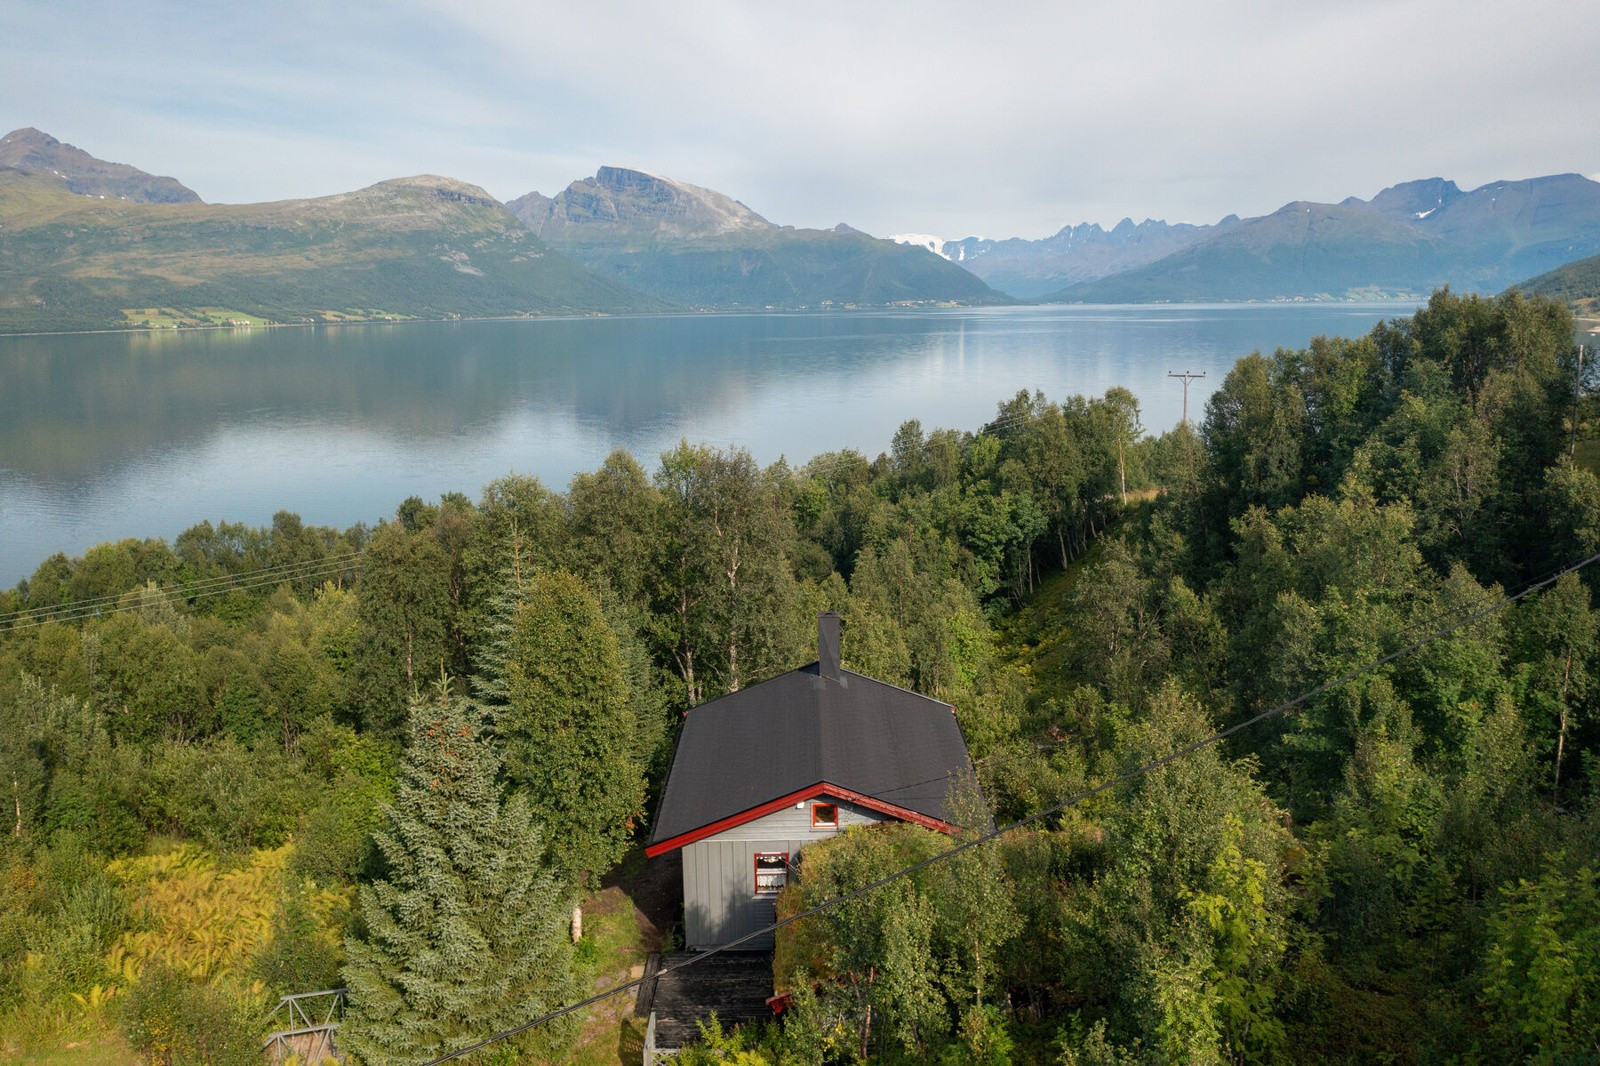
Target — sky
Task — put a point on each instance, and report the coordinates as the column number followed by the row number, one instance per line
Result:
column 896, row 117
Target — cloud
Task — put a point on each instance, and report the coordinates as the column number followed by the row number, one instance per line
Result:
column 894, row 116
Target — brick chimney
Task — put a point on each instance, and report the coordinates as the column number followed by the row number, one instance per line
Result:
column 828, row 645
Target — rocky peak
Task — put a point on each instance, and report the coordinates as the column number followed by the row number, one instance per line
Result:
column 640, row 185
column 622, row 204
column 440, row 188
column 36, row 153
column 1413, row 201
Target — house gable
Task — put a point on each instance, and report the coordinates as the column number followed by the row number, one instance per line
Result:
column 761, row 773
column 727, row 876
column 821, row 790
column 779, row 740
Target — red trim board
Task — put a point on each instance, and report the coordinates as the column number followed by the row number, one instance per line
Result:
column 799, row 795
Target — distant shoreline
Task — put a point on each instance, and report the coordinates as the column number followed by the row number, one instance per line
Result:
column 578, row 316
column 305, row 325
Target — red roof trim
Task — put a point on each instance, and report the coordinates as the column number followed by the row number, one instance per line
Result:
column 798, row 796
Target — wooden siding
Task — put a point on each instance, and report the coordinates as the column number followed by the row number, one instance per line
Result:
column 719, row 900
column 794, row 823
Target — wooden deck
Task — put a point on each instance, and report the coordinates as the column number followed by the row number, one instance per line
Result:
column 734, row 984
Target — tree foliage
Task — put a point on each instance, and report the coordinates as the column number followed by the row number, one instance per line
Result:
column 465, row 933
column 567, row 731
column 1394, row 869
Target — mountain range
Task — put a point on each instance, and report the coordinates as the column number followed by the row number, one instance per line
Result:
column 1405, row 241
column 699, row 248
column 422, row 247
column 89, row 244
column 1033, row 270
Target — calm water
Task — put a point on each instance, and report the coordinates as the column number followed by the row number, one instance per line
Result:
column 139, row 434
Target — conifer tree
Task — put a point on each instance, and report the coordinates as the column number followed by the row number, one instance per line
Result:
column 466, row 934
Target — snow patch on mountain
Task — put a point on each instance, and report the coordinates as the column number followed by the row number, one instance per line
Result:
column 922, row 240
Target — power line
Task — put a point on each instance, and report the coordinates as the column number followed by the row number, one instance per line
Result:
column 1070, row 801
column 254, row 580
column 823, row 464
column 198, row 590
column 78, row 610
column 181, row 589
column 1425, row 622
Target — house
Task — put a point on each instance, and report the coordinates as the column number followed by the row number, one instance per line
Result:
column 762, row 772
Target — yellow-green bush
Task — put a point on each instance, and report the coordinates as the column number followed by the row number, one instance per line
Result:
column 204, row 921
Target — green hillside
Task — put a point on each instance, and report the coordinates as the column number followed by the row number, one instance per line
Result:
column 423, row 247
column 788, row 268
column 1576, row 284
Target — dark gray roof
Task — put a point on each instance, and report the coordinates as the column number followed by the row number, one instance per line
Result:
column 795, row 730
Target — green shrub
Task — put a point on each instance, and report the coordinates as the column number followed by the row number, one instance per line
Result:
column 230, row 797
column 105, row 801
column 334, row 844
column 72, row 942
column 18, row 890
column 173, row 1021
column 303, row 953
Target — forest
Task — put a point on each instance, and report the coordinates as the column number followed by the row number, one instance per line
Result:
column 259, row 761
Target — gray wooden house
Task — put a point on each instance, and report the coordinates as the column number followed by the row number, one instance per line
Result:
column 762, row 772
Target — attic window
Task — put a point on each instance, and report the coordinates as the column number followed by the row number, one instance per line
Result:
column 772, row 872
column 824, row 816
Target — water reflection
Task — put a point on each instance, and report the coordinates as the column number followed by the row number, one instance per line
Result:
column 145, row 434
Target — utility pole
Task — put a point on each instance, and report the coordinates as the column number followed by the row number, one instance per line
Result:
column 1187, row 377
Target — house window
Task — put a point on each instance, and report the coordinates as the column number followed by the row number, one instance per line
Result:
column 824, row 816
column 772, row 872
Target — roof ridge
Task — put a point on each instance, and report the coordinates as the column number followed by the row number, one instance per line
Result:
column 858, row 732
column 898, row 688
column 750, row 688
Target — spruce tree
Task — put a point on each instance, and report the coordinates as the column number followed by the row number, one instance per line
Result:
column 466, row 934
